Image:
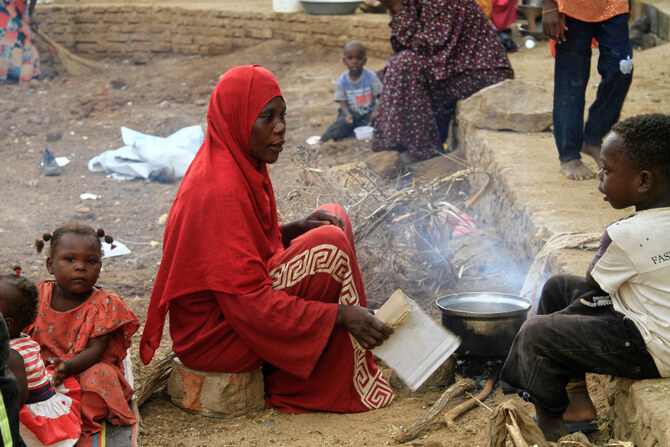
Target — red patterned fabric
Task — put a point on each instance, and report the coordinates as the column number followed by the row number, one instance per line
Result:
column 51, row 417
column 65, row 334
column 237, row 299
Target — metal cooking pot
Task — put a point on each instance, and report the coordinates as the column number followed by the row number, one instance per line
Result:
column 487, row 322
column 531, row 3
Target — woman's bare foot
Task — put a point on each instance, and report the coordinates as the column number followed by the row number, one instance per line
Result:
column 593, row 151
column 576, row 170
column 580, row 408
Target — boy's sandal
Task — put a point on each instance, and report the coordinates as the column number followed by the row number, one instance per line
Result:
column 574, row 427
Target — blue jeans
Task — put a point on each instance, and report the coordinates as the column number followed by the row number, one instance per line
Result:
column 569, row 337
column 571, row 75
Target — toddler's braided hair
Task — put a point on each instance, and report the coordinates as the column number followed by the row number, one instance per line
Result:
column 22, row 309
column 75, row 228
column 646, row 141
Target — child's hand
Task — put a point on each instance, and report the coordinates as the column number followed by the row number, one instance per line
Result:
column 349, row 119
column 60, row 371
column 373, row 116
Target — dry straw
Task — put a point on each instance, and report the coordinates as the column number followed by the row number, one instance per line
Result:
column 72, row 63
column 402, row 228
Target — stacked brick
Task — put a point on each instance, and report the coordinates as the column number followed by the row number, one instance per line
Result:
column 103, row 30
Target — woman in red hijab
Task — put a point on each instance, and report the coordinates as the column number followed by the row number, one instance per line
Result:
column 244, row 291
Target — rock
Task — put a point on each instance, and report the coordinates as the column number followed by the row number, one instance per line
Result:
column 386, row 164
column 140, row 59
column 83, row 213
column 643, row 41
column 641, row 25
column 216, row 394
column 54, row 136
column 508, row 105
column 118, row 83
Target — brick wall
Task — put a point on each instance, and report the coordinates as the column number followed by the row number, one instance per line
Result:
column 128, row 30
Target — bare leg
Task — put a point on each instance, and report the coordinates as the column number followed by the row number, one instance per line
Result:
column 576, row 170
column 580, row 408
column 593, row 151
column 552, row 426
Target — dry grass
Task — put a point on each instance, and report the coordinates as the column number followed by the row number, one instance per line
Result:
column 402, row 228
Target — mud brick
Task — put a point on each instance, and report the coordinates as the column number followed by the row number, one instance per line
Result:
column 115, row 18
column 182, row 39
column 262, row 33
column 223, row 395
column 86, row 18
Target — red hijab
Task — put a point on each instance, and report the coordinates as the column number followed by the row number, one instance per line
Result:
column 222, row 230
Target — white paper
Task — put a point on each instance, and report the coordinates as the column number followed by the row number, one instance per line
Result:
column 118, row 250
column 62, row 161
column 418, row 348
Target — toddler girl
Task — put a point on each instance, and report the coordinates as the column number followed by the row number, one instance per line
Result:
column 83, row 329
column 50, row 414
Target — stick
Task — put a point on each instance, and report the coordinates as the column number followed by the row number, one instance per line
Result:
column 452, row 414
column 427, row 419
column 515, row 432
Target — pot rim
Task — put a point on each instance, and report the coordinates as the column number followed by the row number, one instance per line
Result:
column 442, row 301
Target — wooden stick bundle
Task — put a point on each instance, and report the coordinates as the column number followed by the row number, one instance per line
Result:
column 428, row 418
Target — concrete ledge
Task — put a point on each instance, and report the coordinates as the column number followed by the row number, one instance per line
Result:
column 221, row 395
column 642, row 410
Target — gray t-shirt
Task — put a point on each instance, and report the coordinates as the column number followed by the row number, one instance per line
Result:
column 360, row 95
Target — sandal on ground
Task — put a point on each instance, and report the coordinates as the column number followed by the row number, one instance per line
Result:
column 574, row 427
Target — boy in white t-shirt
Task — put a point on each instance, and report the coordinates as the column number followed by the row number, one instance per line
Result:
column 616, row 320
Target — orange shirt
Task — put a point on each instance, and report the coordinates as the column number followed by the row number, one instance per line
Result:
column 592, row 10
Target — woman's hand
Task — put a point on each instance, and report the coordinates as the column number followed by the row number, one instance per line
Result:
column 392, row 6
column 553, row 22
column 292, row 230
column 368, row 331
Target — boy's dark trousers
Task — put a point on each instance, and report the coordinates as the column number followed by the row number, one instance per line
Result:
column 576, row 331
column 341, row 129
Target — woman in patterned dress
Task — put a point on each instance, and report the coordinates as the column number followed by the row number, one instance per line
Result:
column 244, row 291
column 446, row 50
column 19, row 60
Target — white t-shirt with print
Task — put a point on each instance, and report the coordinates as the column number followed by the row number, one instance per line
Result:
column 635, row 271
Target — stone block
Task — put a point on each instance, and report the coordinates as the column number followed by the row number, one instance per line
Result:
column 386, row 164
column 508, row 105
column 221, row 395
column 640, row 410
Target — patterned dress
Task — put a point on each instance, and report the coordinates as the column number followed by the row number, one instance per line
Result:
column 19, row 59
column 446, row 50
column 66, row 334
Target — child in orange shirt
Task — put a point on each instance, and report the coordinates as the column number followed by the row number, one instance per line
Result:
column 84, row 330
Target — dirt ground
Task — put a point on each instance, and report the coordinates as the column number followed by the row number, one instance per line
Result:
column 80, row 117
